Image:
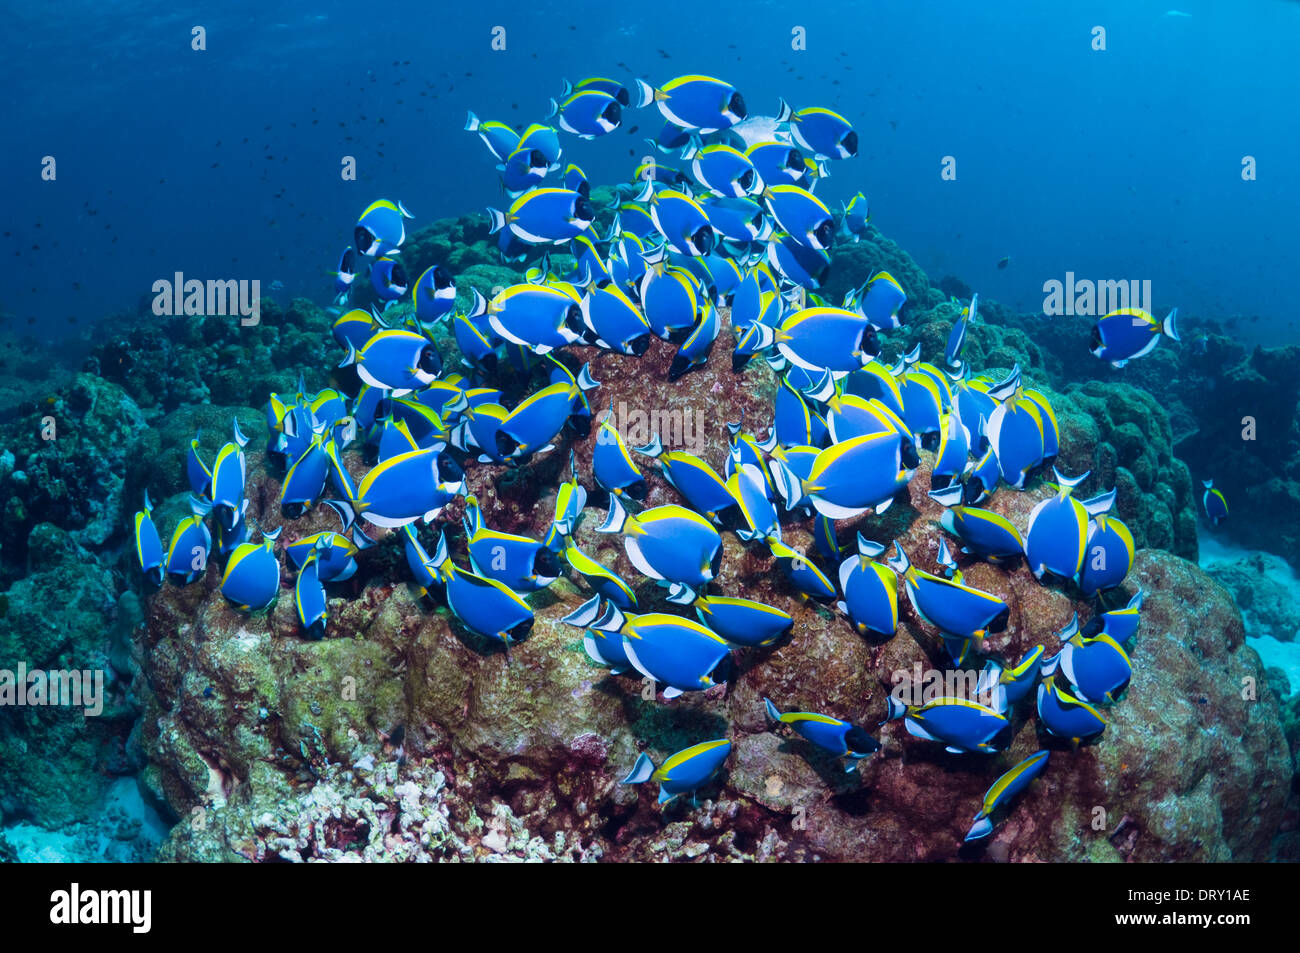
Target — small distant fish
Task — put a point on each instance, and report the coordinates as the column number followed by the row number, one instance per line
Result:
column 1003, row 262
column 1216, row 505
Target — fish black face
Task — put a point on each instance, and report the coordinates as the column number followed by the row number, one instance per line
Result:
column 155, row 576
column 637, row 490
column 824, row 233
column 715, row 564
column 364, row 238
column 348, row 263
column 521, row 631
column 703, row 239
column 1094, row 339
column 581, row 425
column 613, row 113
column 430, row 360
column 909, row 455
column 442, row 278
column 449, row 471
column 859, row 742
column 583, row 210
column 316, row 631
column 547, row 563
column 971, row 491
column 746, row 181
column 794, row 160
column 851, row 143
column 723, row 671
column 738, row 105
column 537, row 160
column 999, row 623
column 506, row 444
column 823, row 275
column 573, row 318
column 291, row 511
column 870, row 342
column 622, row 97
column 584, row 189
column 681, row 364
column 639, row 345
column 397, row 277
column 738, row 361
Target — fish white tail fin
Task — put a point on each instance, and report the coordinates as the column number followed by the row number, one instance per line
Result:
column 1170, row 326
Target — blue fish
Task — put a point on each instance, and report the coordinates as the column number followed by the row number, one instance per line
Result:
column 962, row 726
column 1013, row 683
column 694, row 102
column 612, row 465
column 1003, row 790
column 345, row 275
column 880, row 300
column 1130, row 332
column 668, row 543
column 402, row 489
column 542, row 216
column 986, row 535
column 1056, row 538
column 537, row 420
column 389, row 279
column 838, row 737
column 849, row 478
column 1066, row 716
column 823, row 133
column 801, row 215
column 309, row 600
column 614, row 320
column 229, row 472
column 500, row 139
column 252, row 577
column 519, row 563
column 681, row 221
column 396, row 361
column 957, row 338
column 1120, row 624
column 699, row 483
column 605, row 582
column 533, row 316
column 777, row 163
column 680, row 653
column 801, row 571
column 870, row 592
column 380, row 228
column 1215, row 503
column 694, row 351
column 822, row 338
column 587, row 113
column 683, row 773
column 305, row 481
column 148, row 547
column 434, row 294
column 724, row 171
column 1015, row 432
column 963, row 614
column 485, row 606
column 1109, row 555
column 854, row 218
column 743, row 622
column 1097, row 667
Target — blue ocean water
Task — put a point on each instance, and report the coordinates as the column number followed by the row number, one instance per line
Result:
column 1117, row 163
